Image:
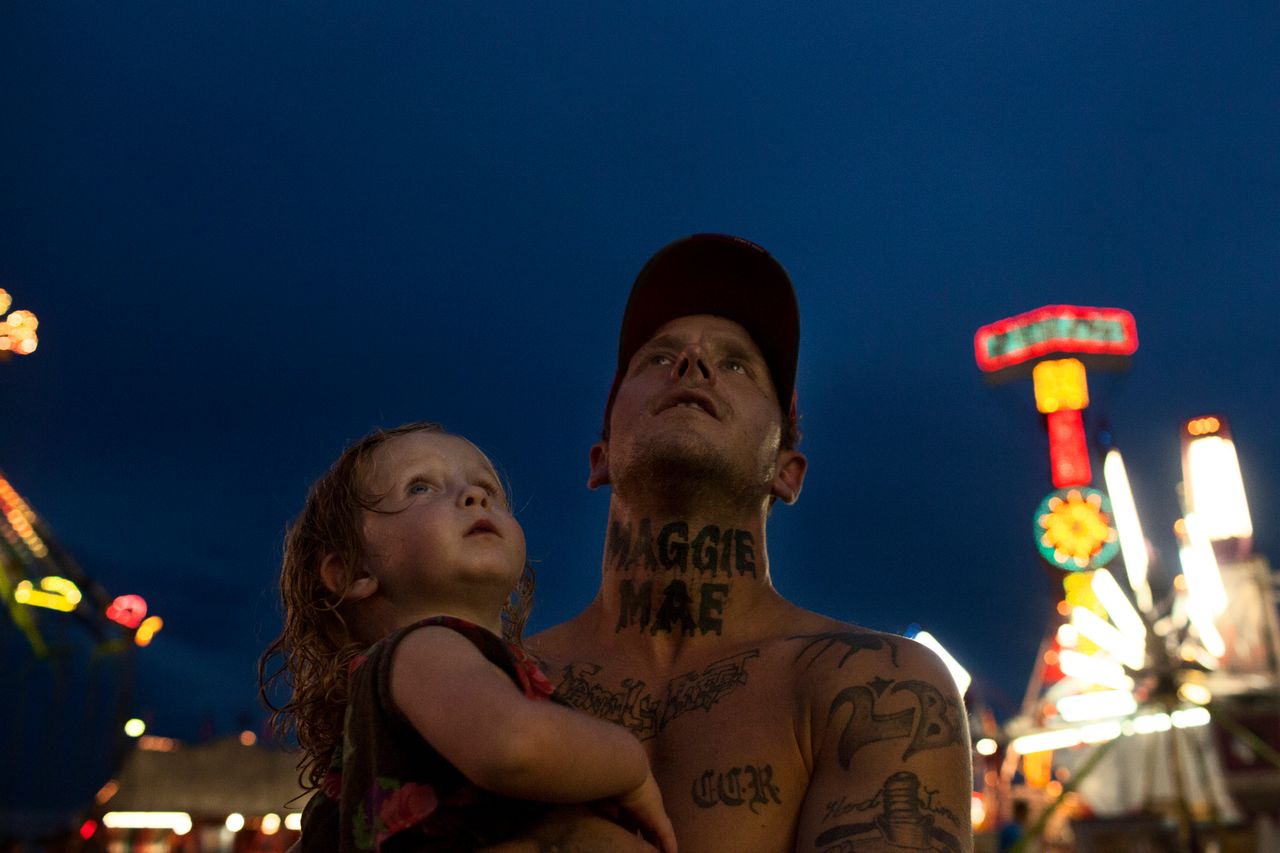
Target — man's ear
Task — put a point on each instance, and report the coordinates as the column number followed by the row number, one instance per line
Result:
column 334, row 577
column 598, row 458
column 789, row 477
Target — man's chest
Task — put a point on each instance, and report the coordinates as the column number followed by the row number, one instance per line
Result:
column 723, row 735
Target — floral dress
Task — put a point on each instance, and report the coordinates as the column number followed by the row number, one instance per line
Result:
column 388, row 790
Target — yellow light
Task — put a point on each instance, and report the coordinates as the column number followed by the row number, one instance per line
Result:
column 248, row 738
column 1060, row 385
column 5, row 300
column 270, row 824
column 986, row 746
column 235, row 822
column 27, row 346
column 55, row 593
column 179, row 822
column 1196, row 694
column 134, row 728
column 147, row 630
column 293, row 820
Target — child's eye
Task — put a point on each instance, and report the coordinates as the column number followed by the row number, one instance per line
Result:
column 418, row 487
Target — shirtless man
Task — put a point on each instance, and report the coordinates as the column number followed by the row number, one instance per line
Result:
column 770, row 728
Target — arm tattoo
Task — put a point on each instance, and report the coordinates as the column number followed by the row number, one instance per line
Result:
column 934, row 721
column 636, row 708
column 905, row 821
column 751, row 785
column 853, row 641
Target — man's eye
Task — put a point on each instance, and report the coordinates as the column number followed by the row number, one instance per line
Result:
column 735, row 366
column 660, row 358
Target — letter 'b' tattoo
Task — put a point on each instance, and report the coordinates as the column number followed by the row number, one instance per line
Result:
column 933, row 722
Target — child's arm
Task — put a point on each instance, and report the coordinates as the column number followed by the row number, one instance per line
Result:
column 474, row 716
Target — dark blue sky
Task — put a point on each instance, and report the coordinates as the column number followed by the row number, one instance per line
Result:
column 252, row 232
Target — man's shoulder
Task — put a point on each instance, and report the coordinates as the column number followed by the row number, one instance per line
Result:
column 830, row 655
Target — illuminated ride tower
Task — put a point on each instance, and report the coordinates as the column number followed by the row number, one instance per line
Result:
column 68, row 652
column 1120, row 664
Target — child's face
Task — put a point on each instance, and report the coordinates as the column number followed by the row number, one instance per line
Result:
column 441, row 529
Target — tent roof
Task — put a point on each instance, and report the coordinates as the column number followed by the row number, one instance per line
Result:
column 213, row 779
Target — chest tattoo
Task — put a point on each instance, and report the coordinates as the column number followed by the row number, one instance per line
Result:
column 750, row 785
column 636, row 708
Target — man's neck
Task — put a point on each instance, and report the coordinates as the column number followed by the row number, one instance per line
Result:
column 676, row 579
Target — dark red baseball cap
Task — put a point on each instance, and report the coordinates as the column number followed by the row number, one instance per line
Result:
column 725, row 276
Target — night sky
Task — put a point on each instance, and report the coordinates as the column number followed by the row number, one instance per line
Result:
column 254, row 231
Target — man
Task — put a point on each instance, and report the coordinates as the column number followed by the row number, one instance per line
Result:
column 769, row 727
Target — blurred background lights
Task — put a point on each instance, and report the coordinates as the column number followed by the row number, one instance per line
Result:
column 270, row 823
column 147, row 630
column 1211, row 477
column 977, row 809
column 248, row 738
column 235, row 822
column 958, row 672
column 293, row 821
column 134, row 727
column 178, row 822
column 55, row 593
column 986, row 746
column 1196, row 694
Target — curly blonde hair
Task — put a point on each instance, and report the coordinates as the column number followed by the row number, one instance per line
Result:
column 315, row 646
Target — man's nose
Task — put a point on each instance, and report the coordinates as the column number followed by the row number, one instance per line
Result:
column 473, row 495
column 692, row 364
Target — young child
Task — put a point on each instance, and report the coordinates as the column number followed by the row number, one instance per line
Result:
column 422, row 729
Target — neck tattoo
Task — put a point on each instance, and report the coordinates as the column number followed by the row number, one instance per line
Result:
column 680, row 607
column 711, row 551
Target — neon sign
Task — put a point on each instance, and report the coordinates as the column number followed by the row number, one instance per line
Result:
column 1055, row 328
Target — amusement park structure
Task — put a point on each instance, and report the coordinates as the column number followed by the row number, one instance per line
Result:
column 1155, row 715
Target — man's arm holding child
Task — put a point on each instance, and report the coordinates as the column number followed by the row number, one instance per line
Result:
column 472, row 714
column 891, row 753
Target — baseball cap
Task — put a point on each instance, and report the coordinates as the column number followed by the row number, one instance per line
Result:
column 725, row 276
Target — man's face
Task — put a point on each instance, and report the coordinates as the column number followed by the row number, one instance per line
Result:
column 696, row 406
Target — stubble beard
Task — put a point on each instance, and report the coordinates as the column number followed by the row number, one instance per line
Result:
column 690, row 477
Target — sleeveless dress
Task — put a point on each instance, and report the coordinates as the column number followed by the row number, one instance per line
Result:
column 388, row 790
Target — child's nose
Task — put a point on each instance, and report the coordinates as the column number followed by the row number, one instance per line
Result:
column 473, row 496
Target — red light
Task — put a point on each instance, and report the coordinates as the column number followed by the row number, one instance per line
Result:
column 1068, row 451
column 127, row 610
column 88, row 828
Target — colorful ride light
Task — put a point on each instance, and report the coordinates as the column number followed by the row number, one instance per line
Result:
column 1060, row 384
column 1068, row 449
column 1073, row 529
column 127, row 610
